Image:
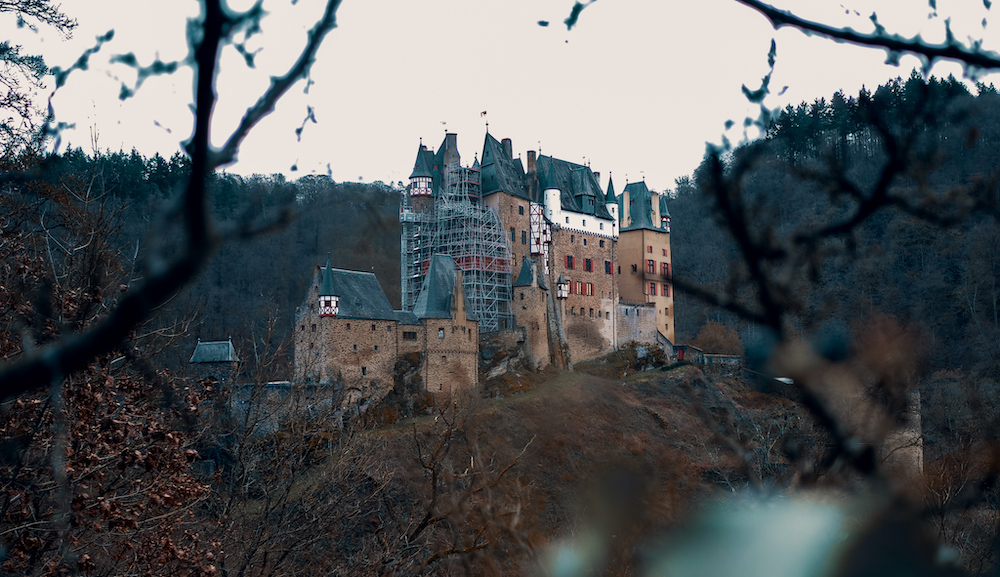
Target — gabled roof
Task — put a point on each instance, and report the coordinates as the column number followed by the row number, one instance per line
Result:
column 640, row 208
column 529, row 275
column 577, row 184
column 214, row 352
column 361, row 297
column 500, row 172
column 434, row 300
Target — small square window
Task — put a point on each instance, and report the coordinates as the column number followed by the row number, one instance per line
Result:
column 601, row 244
column 441, row 333
column 388, row 328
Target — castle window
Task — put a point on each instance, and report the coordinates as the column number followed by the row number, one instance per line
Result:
column 619, row 269
column 364, row 371
column 584, row 222
column 584, row 242
column 649, row 249
column 376, row 348
column 665, row 268
column 591, row 312
column 666, row 290
column 388, row 329
column 664, row 252
column 589, row 290
column 512, row 233
column 441, row 333
column 588, row 264
column 634, row 269
column 409, row 335
column 652, row 289
column 310, row 345
column 607, row 267
column 348, row 326
column 355, row 347
column 524, row 237
column 444, row 358
column 569, row 261
column 572, row 311
column 601, row 244
column 651, row 266
column 572, row 238
column 302, row 327
column 598, row 314
column 522, row 295
column 373, row 326
column 579, row 287
column 314, row 328
column 520, row 210
column 567, row 220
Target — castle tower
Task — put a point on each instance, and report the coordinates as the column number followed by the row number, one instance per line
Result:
column 329, row 303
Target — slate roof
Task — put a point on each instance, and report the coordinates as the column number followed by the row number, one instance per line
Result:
column 500, row 172
column 214, row 352
column 326, row 288
column 434, row 300
column 663, row 206
column 422, row 166
column 361, row 297
column 610, row 197
column 641, row 209
column 527, row 275
column 580, row 191
column 407, row 318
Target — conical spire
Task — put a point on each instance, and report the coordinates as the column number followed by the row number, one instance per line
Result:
column 326, row 289
column 420, row 166
column 611, row 191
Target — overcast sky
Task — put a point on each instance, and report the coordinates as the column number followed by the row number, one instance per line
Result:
column 636, row 89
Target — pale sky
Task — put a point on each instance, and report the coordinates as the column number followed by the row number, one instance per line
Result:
column 636, row 89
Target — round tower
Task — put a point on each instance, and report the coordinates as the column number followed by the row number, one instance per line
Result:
column 421, row 180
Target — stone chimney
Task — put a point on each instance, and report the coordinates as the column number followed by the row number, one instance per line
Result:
column 531, row 162
column 508, row 148
column 451, row 149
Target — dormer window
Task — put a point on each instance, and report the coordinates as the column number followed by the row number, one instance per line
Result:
column 329, row 305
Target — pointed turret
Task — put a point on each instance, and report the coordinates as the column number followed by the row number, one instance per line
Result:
column 421, row 177
column 611, row 203
column 329, row 303
column 664, row 213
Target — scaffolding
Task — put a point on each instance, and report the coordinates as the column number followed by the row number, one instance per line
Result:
column 459, row 225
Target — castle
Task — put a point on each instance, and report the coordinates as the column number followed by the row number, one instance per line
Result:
column 536, row 248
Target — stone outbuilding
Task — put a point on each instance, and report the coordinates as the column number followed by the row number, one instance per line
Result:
column 348, row 336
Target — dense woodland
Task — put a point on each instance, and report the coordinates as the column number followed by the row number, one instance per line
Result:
column 129, row 459
column 935, row 271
